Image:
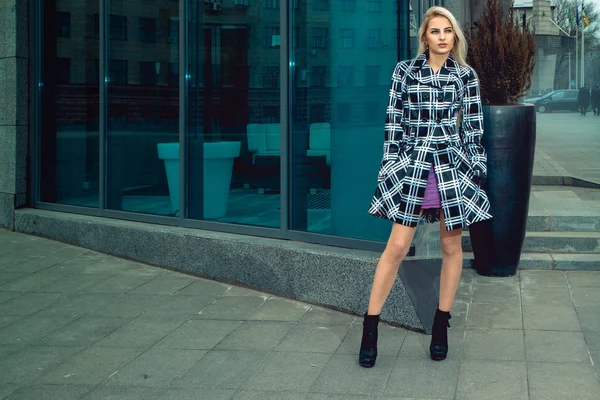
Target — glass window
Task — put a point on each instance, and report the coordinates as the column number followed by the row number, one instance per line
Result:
column 345, row 75
column 147, row 30
column 337, row 144
column 63, row 24
column 374, row 5
column 234, row 152
column 348, row 5
column 347, row 38
column 69, row 116
column 143, row 113
column 118, row 27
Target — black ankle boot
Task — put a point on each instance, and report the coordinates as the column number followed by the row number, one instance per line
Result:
column 439, row 335
column 368, row 345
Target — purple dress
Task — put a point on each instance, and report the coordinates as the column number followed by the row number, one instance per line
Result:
column 432, row 197
column 432, row 202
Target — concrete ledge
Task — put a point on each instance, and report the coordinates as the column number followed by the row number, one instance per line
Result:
column 549, row 180
column 328, row 276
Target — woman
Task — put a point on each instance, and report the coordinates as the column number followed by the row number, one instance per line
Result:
column 431, row 169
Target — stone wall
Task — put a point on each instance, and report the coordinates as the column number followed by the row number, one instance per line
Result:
column 14, row 55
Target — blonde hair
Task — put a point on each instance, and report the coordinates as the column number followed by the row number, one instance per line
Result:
column 459, row 51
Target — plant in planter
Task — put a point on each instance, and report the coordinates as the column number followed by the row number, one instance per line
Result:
column 502, row 52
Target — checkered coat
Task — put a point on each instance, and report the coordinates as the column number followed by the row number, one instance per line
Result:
column 421, row 130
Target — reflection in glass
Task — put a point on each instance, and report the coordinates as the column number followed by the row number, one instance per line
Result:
column 340, row 86
column 234, row 115
column 69, row 118
column 143, row 107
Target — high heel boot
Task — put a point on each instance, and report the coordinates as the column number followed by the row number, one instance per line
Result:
column 439, row 335
column 368, row 344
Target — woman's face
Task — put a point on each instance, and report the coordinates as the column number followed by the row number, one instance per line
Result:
column 439, row 36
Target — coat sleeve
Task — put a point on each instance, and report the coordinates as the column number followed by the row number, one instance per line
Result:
column 472, row 126
column 394, row 115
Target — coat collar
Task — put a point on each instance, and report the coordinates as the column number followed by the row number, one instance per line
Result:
column 422, row 72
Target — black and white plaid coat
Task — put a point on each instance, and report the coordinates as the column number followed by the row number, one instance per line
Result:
column 421, row 129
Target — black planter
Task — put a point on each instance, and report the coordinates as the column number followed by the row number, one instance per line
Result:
column 509, row 139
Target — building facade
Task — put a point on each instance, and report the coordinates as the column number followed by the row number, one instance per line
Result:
column 277, row 114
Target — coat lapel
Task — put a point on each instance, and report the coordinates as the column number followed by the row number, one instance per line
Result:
column 422, row 72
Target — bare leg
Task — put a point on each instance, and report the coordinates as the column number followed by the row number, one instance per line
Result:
column 452, row 259
column 385, row 275
column 396, row 249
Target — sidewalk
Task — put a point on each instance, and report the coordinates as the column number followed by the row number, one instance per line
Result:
column 567, row 144
column 76, row 324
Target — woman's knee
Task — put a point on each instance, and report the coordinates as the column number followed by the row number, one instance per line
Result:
column 452, row 245
column 400, row 240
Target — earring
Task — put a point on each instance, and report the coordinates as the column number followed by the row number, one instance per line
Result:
column 426, row 46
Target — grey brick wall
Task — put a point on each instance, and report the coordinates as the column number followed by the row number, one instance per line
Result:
column 13, row 107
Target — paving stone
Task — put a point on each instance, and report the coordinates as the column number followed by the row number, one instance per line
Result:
column 6, row 390
column 77, row 305
column 123, row 393
column 7, row 277
column 508, row 345
column 583, row 278
column 412, row 378
column 549, row 296
column 6, row 296
column 169, row 305
column 142, row 333
column 90, row 367
column 169, row 284
column 82, row 264
column 256, row 335
column 84, row 331
column 592, row 340
column 254, row 395
column 118, row 284
column 585, row 296
column 129, row 305
column 50, row 392
column 495, row 316
column 223, row 369
column 31, row 329
column 276, row 309
column 231, row 307
column 195, row 394
column 319, row 338
column 498, row 294
column 26, row 365
column 73, row 283
column 536, row 279
column 31, row 282
column 559, row 318
column 284, row 371
column 205, row 287
column 319, row 315
column 492, row 380
column 29, row 303
column 588, row 318
column 550, row 381
column 198, row 335
column 552, row 346
column 156, row 368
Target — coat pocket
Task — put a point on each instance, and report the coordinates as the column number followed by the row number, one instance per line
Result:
column 461, row 161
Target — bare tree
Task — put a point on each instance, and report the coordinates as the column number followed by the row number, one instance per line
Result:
column 565, row 17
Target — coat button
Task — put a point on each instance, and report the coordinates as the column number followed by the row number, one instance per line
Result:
column 437, row 121
column 451, row 165
column 424, row 120
column 425, row 96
